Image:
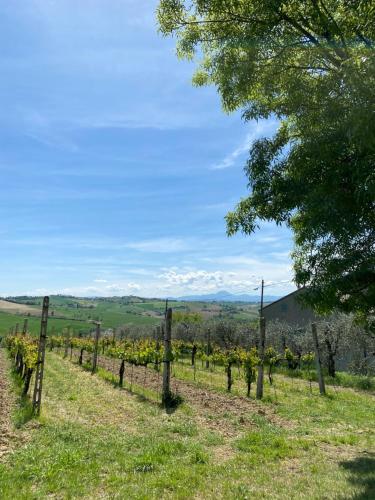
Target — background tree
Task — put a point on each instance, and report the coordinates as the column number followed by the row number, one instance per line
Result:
column 186, row 324
column 311, row 65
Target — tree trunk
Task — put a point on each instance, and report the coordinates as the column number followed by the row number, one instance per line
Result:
column 331, row 357
column 322, row 388
column 331, row 365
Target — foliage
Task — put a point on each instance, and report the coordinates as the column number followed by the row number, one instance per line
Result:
column 24, row 350
column 291, row 358
column 24, row 346
column 312, row 66
column 186, row 318
column 250, row 361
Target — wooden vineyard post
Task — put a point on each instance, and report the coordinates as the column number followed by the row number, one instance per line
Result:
column 208, row 350
column 37, row 397
column 166, row 394
column 261, row 357
column 25, row 325
column 322, row 388
column 121, row 373
column 158, row 333
column 158, row 346
column 66, row 346
column 71, row 342
column 17, row 325
column 96, row 346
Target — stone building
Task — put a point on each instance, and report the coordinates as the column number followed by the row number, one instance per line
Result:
column 290, row 310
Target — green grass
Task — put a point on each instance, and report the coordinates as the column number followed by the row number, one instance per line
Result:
column 215, row 376
column 9, row 320
column 119, row 311
column 94, row 440
column 343, row 379
column 339, row 415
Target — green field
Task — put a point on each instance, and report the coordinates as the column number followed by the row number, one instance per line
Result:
column 95, row 440
column 115, row 312
column 8, row 321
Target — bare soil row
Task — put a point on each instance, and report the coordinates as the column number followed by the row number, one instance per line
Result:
column 225, row 413
column 7, row 402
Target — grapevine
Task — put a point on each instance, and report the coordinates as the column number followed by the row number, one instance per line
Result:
column 145, row 352
column 24, row 350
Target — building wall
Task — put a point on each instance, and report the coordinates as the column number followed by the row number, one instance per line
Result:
column 289, row 310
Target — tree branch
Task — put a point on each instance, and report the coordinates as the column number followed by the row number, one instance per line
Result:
column 311, row 37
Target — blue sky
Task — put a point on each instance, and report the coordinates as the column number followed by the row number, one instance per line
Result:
column 116, row 172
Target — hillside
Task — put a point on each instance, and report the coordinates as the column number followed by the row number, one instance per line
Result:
column 114, row 312
column 19, row 307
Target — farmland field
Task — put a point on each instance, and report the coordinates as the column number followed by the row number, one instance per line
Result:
column 113, row 312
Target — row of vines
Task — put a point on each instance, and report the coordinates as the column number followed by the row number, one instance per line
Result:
column 24, row 351
column 150, row 353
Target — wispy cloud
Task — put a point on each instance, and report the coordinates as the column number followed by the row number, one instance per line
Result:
column 156, row 245
column 159, row 245
column 100, row 290
column 258, row 129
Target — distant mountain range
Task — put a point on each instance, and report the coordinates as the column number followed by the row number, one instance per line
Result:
column 224, row 296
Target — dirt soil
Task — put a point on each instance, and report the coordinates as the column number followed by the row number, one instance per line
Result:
column 18, row 308
column 228, row 415
column 7, row 402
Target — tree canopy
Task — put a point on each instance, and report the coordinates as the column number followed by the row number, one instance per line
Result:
column 311, row 65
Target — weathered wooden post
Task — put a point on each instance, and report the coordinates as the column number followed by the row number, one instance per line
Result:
column 193, row 354
column 158, row 334
column 66, row 343
column 71, row 343
column 25, row 326
column 121, row 373
column 208, row 350
column 158, row 331
column 95, row 354
column 17, row 326
column 166, row 393
column 318, row 361
column 261, row 357
column 37, row 397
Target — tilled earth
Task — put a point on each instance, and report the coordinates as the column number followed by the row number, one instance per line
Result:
column 7, row 401
column 227, row 414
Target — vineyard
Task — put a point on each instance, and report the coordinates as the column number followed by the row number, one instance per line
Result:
column 148, row 353
column 242, row 421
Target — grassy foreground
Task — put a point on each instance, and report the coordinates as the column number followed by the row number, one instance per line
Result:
column 94, row 440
